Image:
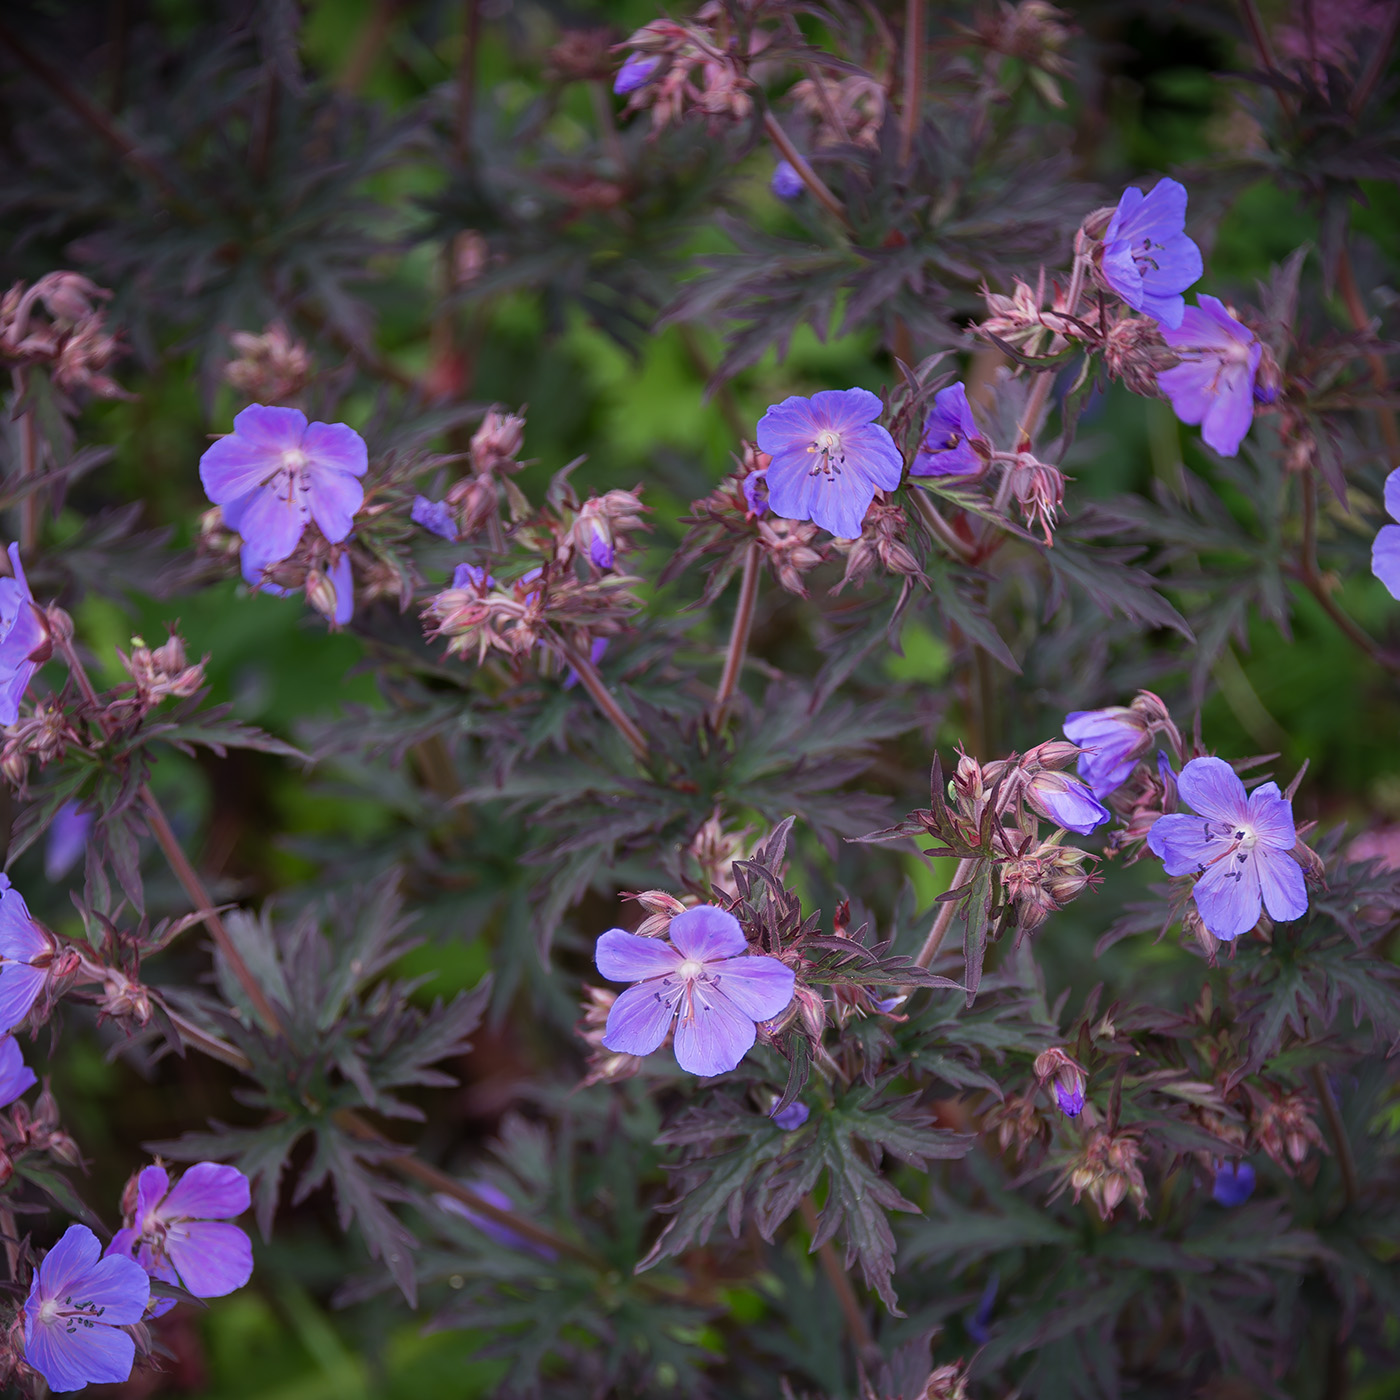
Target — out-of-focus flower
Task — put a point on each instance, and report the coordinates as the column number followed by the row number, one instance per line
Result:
column 786, row 182
column 951, row 438
column 1147, row 257
column 755, row 488
column 180, row 1233
column 163, row 671
column 26, row 957
column 1108, row 1169
column 275, row 472
column 1283, row 1125
column 1241, row 847
column 1135, row 354
column 332, row 593
column 1066, row 801
column 495, row 442
column 1017, row 1123
column 1385, row 552
column 1234, row 1183
column 636, row 71
column 842, row 111
column 979, row 1323
column 492, row 1229
column 706, row 976
column 1213, row 385
column 270, row 367
column 24, row 639
column 1113, row 740
column 435, row 516
column 604, row 1066
column 1065, row 1077
column 67, row 839
column 16, row 1077
column 792, row 1117
column 829, row 457
column 1039, row 489
column 75, row 345
column 77, row 1307
column 596, row 653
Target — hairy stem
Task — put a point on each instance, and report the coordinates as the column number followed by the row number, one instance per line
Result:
column 851, row 1309
column 809, row 177
column 1341, row 1143
column 913, row 77
column 28, row 466
column 944, row 918
column 606, row 701
column 738, row 636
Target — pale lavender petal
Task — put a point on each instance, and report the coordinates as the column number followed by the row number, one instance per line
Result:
column 233, row 467
column 20, row 938
column 1228, row 895
column 120, row 1287
column 67, row 839
column 1067, row 802
column 1385, row 558
column 72, row 1361
column 628, row 957
column 715, row 1036
column 342, row 580
column 1271, row 816
column 708, row 934
column 792, row 1117
column 872, row 451
column 333, row 497
column 759, row 986
column 66, row 1263
column 278, row 429
column 207, row 1191
column 271, row 526
column 844, row 410
column 1212, row 788
column 334, row 447
column 1281, row 883
column 20, row 986
column 787, row 424
column 16, row 1077
column 435, row 516
column 1186, row 844
column 471, row 576
column 1227, row 421
column 640, row 1018
column 211, row 1258
column 1113, row 739
column 786, row 182
column 152, row 1185
column 1392, row 504
column 635, row 72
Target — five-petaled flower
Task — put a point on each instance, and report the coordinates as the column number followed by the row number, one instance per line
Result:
column 1214, row 383
column 705, row 976
column 1113, row 740
column 1240, row 846
column 275, row 472
column 180, row 1233
column 949, row 445
column 24, row 639
column 77, row 1307
column 829, row 455
column 1147, row 257
column 1385, row 553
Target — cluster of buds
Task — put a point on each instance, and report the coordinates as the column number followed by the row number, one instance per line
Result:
column 581, row 56
column 849, row 110
column 1065, row 1077
column 792, row 549
column 1017, row 1123
column 1043, row 881
column 1108, row 1169
column 36, row 1129
column 1283, row 1126
column 497, row 442
column 882, row 543
column 72, row 341
column 1035, row 34
column 1039, row 489
column 604, row 1066
column 161, row 673
column 714, row 849
column 475, row 501
column 1023, row 320
column 40, row 737
column 603, row 528
column 661, row 909
column 1033, row 781
column 269, row 368
column 1135, row 354
column 677, row 68
column 123, row 999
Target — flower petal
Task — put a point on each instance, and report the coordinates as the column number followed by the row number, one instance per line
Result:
column 1392, row 504
column 20, row 986
column 870, row 449
column 640, row 1018
column 20, row 937
column 66, row 1263
column 844, row 410
column 152, row 1186
column 119, row 1286
column 708, row 933
column 1186, row 844
column 1228, row 418
column 71, row 1361
column 232, row 467
column 1281, row 882
column 342, row 581
column 333, row 498
column 759, row 986
column 715, row 1036
column 628, row 957
column 786, row 425
column 1271, row 816
column 1212, row 788
column 1228, row 895
column 16, row 1077
column 279, row 429
column 1385, row 557
column 212, row 1258
column 335, row 447
column 208, row 1191
column 271, row 526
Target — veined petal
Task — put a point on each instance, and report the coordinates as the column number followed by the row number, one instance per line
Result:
column 20, row 986
column 211, row 1257
column 1228, row 895
column 333, row 497
column 233, row 466
column 871, row 450
column 1186, row 844
column 712, row 1035
column 1281, row 882
column 708, row 934
column 66, row 1263
column 271, row 526
column 1271, row 816
column 151, row 1187
column 271, row 426
column 1228, row 417
column 71, row 1361
column 208, row 1191
column 16, row 1077
column 640, row 1018
column 628, row 957
column 335, row 447
column 759, row 986
column 117, row 1285
column 1212, row 788
column 844, row 410
column 789, row 424
column 1385, row 556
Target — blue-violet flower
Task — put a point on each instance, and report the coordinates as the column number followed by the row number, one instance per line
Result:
column 1147, row 257
column 1066, row 801
column 24, row 639
column 26, row 953
column 1214, row 383
column 829, row 455
column 1240, row 846
column 706, row 975
column 635, row 72
column 950, row 432
column 1113, row 740
column 1234, row 1183
column 435, row 516
column 792, row 1117
column 786, row 182
column 492, row 1229
column 1385, row 553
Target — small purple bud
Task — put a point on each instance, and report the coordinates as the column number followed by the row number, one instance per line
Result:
column 67, row 840
column 755, row 486
column 1070, row 1098
column 792, row 1117
column 435, row 516
column 786, row 182
column 600, row 550
column 635, row 72
column 1234, row 1183
column 471, row 576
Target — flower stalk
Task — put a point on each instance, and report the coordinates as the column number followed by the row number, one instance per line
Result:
column 738, row 636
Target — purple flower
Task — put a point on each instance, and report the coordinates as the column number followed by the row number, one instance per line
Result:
column 25, row 955
column 16, row 1077
column 1147, row 257
column 274, row 472
column 946, row 448
column 979, row 1323
column 24, row 639
column 595, row 655
column 786, row 182
column 1234, row 1183
column 600, row 549
column 342, row 582
column 1241, row 848
column 435, row 516
column 472, row 576
column 178, row 1233
column 755, row 486
column 67, row 839
column 1385, row 553
column 1070, row 1099
column 635, row 72
column 492, row 1229
column 828, row 455
column 792, row 1117
column 1214, row 383
column 707, row 975
column 75, row 1312
column 1113, row 740
column 1066, row 801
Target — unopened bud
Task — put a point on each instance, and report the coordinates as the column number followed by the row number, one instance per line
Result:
column 7, row 1167
column 15, row 767
column 59, row 624
column 64, row 1149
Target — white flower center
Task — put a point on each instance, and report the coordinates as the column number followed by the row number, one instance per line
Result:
column 294, row 459
column 690, row 969
column 48, row 1311
column 1246, row 838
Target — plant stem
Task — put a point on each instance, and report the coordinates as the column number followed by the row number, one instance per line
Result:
column 592, row 682
column 851, row 1309
column 1341, row 1144
column 944, row 918
column 949, row 538
column 809, row 177
column 913, row 77
column 466, row 81
column 1375, row 66
column 10, row 1231
column 1258, row 34
column 738, row 636
column 28, row 466
column 1035, row 406
column 1356, row 312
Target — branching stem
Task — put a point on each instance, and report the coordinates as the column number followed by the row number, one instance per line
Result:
column 1356, row 313
column 913, row 77
column 605, row 700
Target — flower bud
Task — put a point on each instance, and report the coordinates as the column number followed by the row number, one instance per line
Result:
column 497, row 440
column 320, row 593
column 59, row 624
column 7, row 1167
column 1066, row 801
column 1066, row 1078
column 15, row 767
